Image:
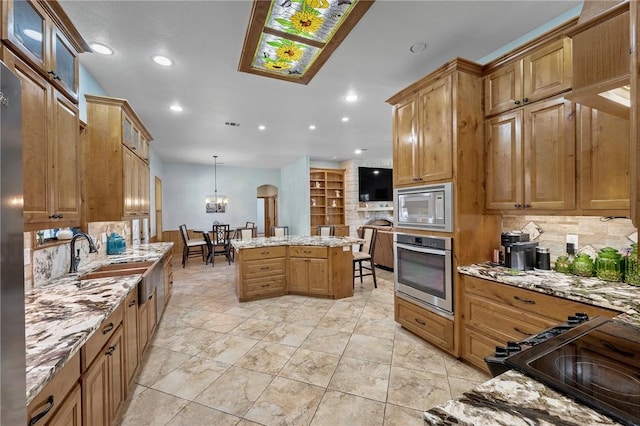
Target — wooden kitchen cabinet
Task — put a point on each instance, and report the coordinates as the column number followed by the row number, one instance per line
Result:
column 57, row 400
column 308, row 270
column 70, row 412
column 167, row 268
column 51, row 151
column 131, row 327
column 147, row 312
column 604, row 175
column 104, row 383
column 538, row 75
column 118, row 178
column 42, row 35
column 530, row 158
column 494, row 313
column 260, row 272
column 426, row 324
column 327, row 199
column 423, row 135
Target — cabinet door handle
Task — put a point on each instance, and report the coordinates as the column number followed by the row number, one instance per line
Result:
column 527, row 301
column 107, row 328
column 111, row 350
column 419, row 321
column 517, row 206
column 517, row 102
column 306, row 251
column 525, row 100
column 522, row 332
column 35, row 419
column 150, row 297
column 265, row 285
column 132, row 303
column 265, row 252
column 526, row 206
column 264, row 268
column 614, row 348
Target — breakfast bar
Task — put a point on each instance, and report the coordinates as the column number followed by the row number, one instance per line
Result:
column 312, row 266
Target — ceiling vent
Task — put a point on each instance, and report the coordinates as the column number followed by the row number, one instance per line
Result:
column 232, row 124
column 601, row 57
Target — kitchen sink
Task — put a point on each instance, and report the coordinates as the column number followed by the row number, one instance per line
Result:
column 117, row 270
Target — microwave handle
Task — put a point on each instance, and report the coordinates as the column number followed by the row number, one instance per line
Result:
column 440, row 207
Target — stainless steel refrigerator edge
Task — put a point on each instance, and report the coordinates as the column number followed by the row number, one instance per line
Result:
column 12, row 327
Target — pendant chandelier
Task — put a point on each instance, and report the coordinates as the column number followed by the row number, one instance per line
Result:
column 217, row 203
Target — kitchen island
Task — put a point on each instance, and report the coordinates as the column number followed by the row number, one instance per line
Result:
column 312, row 266
column 513, row 398
column 64, row 314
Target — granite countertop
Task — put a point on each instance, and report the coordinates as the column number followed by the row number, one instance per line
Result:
column 515, row 399
column 295, row 240
column 60, row 316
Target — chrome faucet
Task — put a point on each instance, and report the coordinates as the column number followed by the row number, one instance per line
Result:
column 75, row 258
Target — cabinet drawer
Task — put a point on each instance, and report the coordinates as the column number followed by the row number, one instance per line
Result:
column 501, row 322
column 55, row 391
column 263, row 253
column 476, row 346
column 264, row 268
column 100, row 337
column 551, row 307
column 431, row 327
column 265, row 285
column 308, row 251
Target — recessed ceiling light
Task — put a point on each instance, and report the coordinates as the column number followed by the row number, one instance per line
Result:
column 345, row 119
column 261, row 127
column 175, row 108
column 101, row 49
column 351, row 97
column 162, row 60
column 357, row 151
column 418, row 47
column 33, row 34
column 312, row 127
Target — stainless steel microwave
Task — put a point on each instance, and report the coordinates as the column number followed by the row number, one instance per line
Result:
column 425, row 207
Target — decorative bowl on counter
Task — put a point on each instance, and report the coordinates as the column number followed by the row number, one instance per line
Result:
column 609, row 264
column 583, row 265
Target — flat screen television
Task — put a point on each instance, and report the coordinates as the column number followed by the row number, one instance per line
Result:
column 375, row 184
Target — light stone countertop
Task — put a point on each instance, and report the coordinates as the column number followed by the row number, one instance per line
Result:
column 515, row 399
column 295, row 240
column 60, row 316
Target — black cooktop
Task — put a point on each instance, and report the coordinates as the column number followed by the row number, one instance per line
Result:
column 596, row 363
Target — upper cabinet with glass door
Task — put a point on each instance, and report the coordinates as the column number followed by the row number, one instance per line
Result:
column 41, row 34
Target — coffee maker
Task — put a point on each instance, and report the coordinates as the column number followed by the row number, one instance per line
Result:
column 517, row 252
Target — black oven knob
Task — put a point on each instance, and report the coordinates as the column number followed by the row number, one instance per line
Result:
column 573, row 320
column 513, row 347
column 501, row 351
column 582, row 316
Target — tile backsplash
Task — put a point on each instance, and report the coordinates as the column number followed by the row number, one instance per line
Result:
column 591, row 230
column 53, row 261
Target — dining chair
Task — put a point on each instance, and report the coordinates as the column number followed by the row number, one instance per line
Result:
column 190, row 245
column 250, row 225
column 326, row 230
column 279, row 231
column 244, row 234
column 365, row 254
column 221, row 245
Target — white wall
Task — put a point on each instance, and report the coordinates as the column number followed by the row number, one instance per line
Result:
column 293, row 197
column 87, row 84
column 185, row 186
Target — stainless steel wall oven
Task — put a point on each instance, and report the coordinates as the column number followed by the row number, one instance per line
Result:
column 423, row 271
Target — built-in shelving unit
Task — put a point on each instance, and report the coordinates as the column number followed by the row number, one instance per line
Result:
column 326, row 197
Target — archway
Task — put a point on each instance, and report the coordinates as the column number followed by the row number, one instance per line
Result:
column 267, row 208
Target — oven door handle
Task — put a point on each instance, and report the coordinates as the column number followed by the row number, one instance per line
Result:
column 421, row 249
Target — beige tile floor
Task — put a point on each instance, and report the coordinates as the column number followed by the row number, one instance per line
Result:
column 291, row 360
